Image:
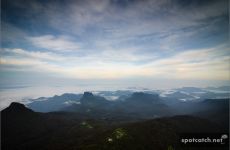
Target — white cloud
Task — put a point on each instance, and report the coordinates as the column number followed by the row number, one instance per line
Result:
column 52, row 43
column 210, row 63
column 17, row 52
column 112, row 31
column 191, row 64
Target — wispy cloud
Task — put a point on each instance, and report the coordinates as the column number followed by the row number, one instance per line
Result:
column 192, row 64
column 32, row 54
column 106, row 39
column 195, row 64
column 53, row 43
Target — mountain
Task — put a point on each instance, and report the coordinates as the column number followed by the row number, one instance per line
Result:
column 215, row 104
column 143, row 98
column 89, row 102
column 216, row 95
column 92, row 101
column 16, row 108
column 139, row 106
column 216, row 110
column 115, row 95
column 180, row 96
column 55, row 103
column 221, row 88
column 144, row 105
column 195, row 93
column 136, row 105
column 190, row 89
column 68, row 131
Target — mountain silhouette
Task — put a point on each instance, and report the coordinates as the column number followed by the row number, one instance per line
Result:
column 17, row 108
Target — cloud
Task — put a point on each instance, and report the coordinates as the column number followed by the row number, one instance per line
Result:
column 212, row 63
column 53, row 43
column 209, row 63
column 17, row 52
column 114, row 39
column 86, row 23
column 126, row 21
column 96, row 66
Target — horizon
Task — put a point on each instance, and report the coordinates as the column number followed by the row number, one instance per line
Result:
column 26, row 94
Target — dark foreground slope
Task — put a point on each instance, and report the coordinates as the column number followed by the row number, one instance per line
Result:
column 23, row 129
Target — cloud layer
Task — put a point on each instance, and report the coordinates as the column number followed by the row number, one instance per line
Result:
column 116, row 39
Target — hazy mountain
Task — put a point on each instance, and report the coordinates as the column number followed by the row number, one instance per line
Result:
column 137, row 106
column 145, row 105
column 216, row 95
column 88, row 103
column 180, row 96
column 222, row 88
column 143, row 98
column 92, row 101
column 54, row 103
column 196, row 94
column 115, row 95
column 190, row 89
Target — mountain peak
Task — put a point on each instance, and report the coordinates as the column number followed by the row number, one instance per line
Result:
column 17, row 107
column 88, row 94
column 91, row 100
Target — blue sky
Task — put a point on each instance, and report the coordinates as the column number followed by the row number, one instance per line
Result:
column 114, row 41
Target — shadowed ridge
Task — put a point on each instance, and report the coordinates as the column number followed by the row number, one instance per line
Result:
column 16, row 108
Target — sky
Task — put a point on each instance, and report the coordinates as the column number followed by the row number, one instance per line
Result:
column 147, row 43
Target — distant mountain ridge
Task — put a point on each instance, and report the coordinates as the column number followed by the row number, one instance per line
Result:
column 221, row 88
column 138, row 105
column 57, row 103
